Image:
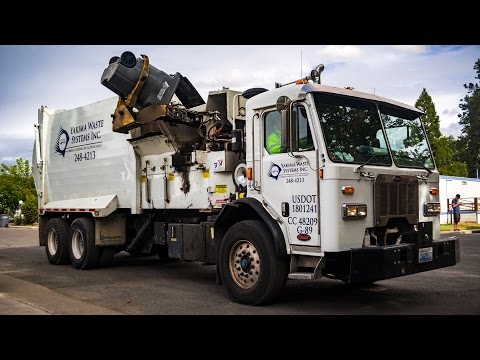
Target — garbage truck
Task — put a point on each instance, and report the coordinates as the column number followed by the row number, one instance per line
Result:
column 300, row 181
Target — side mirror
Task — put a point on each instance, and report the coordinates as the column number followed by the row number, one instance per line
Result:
column 285, row 129
column 294, row 131
column 289, row 130
column 283, row 103
column 283, row 106
column 315, row 73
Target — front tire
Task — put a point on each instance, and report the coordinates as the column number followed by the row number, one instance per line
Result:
column 250, row 269
column 56, row 245
column 81, row 246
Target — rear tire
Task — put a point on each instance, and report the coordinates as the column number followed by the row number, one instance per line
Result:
column 249, row 267
column 81, row 245
column 57, row 241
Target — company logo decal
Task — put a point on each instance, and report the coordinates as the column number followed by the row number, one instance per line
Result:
column 292, row 172
column 62, row 142
column 81, row 141
column 274, row 171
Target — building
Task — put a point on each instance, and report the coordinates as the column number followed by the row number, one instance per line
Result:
column 469, row 190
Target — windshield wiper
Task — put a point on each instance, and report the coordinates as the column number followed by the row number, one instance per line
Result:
column 412, row 159
column 428, row 170
column 365, row 163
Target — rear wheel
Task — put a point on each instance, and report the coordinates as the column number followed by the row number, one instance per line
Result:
column 249, row 267
column 57, row 241
column 81, row 246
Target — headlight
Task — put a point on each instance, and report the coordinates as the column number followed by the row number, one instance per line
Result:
column 361, row 210
column 354, row 211
column 431, row 209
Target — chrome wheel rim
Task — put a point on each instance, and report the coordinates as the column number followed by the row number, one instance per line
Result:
column 52, row 242
column 78, row 244
column 244, row 264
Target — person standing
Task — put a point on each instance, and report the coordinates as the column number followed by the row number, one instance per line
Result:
column 456, row 211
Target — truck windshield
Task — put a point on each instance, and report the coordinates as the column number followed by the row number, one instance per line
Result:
column 352, row 130
column 353, row 133
column 406, row 137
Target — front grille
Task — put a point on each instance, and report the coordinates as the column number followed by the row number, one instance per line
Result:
column 396, row 196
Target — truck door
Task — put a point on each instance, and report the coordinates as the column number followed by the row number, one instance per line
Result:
column 289, row 182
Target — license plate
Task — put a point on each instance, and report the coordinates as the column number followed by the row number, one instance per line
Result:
column 425, row 255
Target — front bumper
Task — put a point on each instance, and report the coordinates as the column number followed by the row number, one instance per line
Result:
column 370, row 264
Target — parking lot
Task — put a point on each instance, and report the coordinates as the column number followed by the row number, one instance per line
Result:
column 148, row 285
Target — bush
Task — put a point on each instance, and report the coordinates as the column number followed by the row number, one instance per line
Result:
column 17, row 220
column 16, row 183
column 30, row 209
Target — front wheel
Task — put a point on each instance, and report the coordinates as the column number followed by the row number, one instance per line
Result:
column 250, row 269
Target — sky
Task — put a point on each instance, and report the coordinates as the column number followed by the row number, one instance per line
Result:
column 68, row 76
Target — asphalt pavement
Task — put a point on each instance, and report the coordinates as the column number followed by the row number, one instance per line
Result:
column 148, row 285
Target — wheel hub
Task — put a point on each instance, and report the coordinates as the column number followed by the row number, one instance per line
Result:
column 52, row 242
column 78, row 244
column 244, row 264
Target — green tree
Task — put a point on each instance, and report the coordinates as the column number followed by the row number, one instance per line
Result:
column 445, row 157
column 443, row 147
column 470, row 121
column 431, row 121
column 30, row 208
column 16, row 183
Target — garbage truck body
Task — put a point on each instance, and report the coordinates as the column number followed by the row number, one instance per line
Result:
column 299, row 182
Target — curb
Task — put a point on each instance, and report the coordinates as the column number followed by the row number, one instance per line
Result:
column 474, row 231
column 23, row 226
column 21, row 297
